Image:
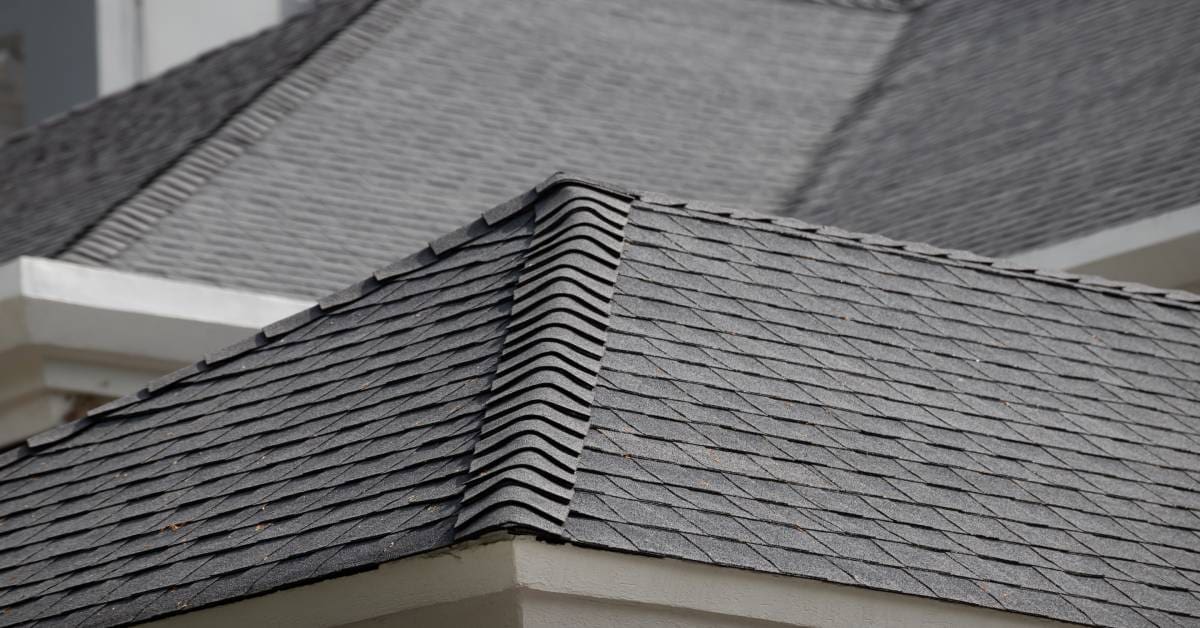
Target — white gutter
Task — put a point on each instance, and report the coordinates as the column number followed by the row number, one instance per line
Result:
column 1162, row 251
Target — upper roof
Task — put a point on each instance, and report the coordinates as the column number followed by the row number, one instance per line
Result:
column 1002, row 127
column 635, row 373
column 353, row 145
column 60, row 178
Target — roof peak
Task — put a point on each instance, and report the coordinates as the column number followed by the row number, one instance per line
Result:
column 524, row 466
column 566, row 201
column 587, row 215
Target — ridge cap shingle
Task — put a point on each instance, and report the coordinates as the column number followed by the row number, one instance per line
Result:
column 523, row 470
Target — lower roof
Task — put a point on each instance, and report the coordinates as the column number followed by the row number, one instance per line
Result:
column 635, row 373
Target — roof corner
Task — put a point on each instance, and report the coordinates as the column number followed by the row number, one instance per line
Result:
column 522, row 474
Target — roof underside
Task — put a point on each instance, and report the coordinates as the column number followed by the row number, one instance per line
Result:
column 1000, row 127
column 437, row 108
column 637, row 374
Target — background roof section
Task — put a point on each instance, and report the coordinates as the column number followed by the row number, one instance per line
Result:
column 437, row 108
column 331, row 441
column 62, row 176
column 999, row 127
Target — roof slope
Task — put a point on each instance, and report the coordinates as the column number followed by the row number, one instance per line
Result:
column 634, row 373
column 1001, row 127
column 723, row 99
column 62, row 176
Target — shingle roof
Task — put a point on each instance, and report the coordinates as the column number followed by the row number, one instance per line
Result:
column 61, row 177
column 1000, row 127
column 630, row 372
column 360, row 153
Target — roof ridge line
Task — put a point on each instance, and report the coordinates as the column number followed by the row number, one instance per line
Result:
column 434, row 251
column 538, row 413
column 966, row 259
column 132, row 218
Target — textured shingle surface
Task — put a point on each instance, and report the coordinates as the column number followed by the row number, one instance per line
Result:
column 769, row 395
column 1000, row 127
column 457, row 102
column 336, row 446
column 60, row 178
column 785, row 402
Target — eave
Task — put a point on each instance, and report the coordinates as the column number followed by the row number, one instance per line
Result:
column 76, row 329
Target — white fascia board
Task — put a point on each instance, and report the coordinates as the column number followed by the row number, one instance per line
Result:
column 87, row 310
column 1161, row 250
column 522, row 582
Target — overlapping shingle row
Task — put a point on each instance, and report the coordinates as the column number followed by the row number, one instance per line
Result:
column 782, row 401
column 325, row 443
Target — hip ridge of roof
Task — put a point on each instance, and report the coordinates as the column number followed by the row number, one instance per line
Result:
column 523, row 472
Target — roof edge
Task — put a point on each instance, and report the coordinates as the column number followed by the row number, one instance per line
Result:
column 132, row 218
column 434, row 251
column 956, row 257
column 597, row 198
column 523, row 470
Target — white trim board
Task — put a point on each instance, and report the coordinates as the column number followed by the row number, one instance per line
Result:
column 521, row 582
column 1162, row 250
column 69, row 306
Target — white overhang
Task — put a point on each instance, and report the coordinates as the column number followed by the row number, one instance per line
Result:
column 510, row 582
column 1162, row 251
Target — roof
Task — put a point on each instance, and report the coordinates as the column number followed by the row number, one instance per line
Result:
column 631, row 372
column 351, row 142
column 1002, row 128
column 63, row 176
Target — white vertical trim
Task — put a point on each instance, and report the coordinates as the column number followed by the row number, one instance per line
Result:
column 118, row 44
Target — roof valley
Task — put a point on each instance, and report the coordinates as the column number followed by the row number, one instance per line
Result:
column 524, row 465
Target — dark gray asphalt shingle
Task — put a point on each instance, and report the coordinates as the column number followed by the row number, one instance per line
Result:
column 771, row 396
column 326, row 449
column 438, row 108
column 999, row 127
